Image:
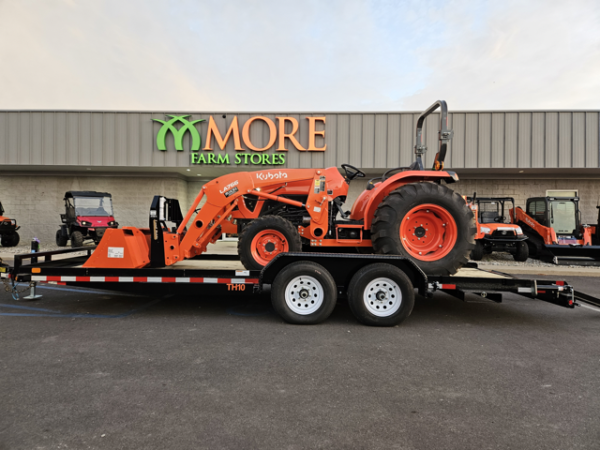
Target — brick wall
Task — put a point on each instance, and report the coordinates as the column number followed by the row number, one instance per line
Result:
column 36, row 201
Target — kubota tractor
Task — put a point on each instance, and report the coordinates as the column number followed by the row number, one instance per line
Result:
column 553, row 225
column 495, row 230
column 88, row 214
column 407, row 211
column 8, row 230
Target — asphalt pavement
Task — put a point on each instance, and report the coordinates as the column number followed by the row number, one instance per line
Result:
column 83, row 369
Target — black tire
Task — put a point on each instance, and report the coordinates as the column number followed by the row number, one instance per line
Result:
column 478, row 252
column 265, row 223
column 76, row 239
column 61, row 240
column 10, row 240
column 313, row 282
column 522, row 252
column 385, row 230
column 395, row 288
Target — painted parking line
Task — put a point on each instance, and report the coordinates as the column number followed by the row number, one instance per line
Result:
column 49, row 313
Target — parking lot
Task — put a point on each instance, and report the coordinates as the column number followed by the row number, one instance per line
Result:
column 99, row 370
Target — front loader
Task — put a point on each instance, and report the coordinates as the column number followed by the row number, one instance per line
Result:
column 407, row 211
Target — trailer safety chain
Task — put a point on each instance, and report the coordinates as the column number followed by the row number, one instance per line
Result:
column 14, row 291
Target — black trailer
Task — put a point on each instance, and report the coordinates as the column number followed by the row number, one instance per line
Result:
column 304, row 287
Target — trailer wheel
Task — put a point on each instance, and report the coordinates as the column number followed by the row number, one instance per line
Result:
column 76, row 239
column 61, row 240
column 522, row 252
column 428, row 223
column 381, row 295
column 478, row 251
column 10, row 240
column 264, row 238
column 304, row 293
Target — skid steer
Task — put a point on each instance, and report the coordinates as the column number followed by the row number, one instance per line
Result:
column 407, row 211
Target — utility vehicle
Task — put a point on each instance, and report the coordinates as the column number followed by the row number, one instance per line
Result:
column 8, row 230
column 88, row 214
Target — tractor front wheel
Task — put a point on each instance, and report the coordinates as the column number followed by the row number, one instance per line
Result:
column 428, row 223
column 266, row 237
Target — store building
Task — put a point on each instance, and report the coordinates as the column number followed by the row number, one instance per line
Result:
column 136, row 155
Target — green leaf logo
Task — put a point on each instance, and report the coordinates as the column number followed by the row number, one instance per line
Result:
column 178, row 134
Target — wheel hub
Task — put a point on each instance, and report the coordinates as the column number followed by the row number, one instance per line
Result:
column 420, row 232
column 382, row 297
column 304, row 295
column 267, row 244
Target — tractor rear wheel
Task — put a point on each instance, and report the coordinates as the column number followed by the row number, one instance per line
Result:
column 428, row 223
column 266, row 237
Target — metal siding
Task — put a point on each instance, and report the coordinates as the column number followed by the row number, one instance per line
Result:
column 317, row 159
column 457, row 154
column 538, row 140
column 380, row 145
column 524, row 140
column 60, row 139
column 85, row 139
column 3, row 138
column 355, row 140
column 578, row 140
column 133, row 139
column 37, row 138
column 97, row 141
column 146, row 139
column 393, row 148
column 484, row 141
column 431, row 133
column 592, row 130
column 293, row 156
column 497, row 150
column 24, row 139
column 407, row 140
column 368, row 141
column 471, row 140
column 551, row 134
column 343, row 138
column 72, row 141
column 330, row 158
column 511, row 133
column 564, row 140
column 305, row 158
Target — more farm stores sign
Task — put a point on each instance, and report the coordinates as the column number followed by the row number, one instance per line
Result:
column 278, row 136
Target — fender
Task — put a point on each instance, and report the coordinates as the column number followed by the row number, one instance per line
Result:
column 368, row 201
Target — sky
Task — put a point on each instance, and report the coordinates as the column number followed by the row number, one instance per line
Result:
column 308, row 55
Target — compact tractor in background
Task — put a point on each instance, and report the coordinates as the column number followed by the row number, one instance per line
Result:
column 8, row 230
column 407, row 211
column 555, row 230
column 88, row 214
column 495, row 230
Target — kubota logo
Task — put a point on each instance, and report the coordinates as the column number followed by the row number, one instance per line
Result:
column 178, row 133
column 271, row 175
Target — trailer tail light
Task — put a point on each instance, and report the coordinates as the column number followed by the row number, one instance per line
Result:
column 36, row 270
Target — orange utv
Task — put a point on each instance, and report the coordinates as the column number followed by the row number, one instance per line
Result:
column 495, row 230
column 8, row 230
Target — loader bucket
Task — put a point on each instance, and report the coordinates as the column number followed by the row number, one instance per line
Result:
column 125, row 248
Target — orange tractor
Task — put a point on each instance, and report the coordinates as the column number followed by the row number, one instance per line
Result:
column 407, row 211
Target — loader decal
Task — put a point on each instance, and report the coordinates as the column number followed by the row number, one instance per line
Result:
column 178, row 133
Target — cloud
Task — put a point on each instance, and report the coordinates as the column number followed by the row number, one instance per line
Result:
column 292, row 56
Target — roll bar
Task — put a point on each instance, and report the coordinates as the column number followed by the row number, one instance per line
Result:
column 444, row 136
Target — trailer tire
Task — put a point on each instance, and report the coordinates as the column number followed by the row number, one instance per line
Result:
column 10, row 240
column 76, row 239
column 61, row 240
column 522, row 252
column 264, row 238
column 478, row 251
column 304, row 293
column 381, row 295
column 444, row 249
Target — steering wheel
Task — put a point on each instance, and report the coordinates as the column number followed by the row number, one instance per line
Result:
column 499, row 219
column 352, row 172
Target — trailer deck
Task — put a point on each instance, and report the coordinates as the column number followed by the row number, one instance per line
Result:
column 219, row 274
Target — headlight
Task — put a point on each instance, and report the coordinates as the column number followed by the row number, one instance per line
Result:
column 85, row 224
column 484, row 229
column 112, row 223
column 519, row 231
